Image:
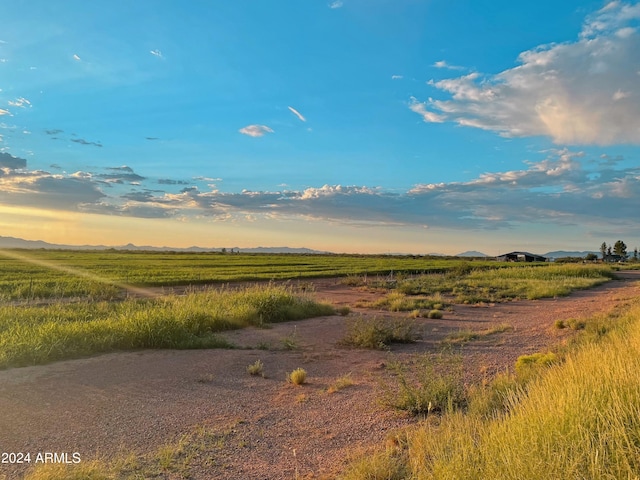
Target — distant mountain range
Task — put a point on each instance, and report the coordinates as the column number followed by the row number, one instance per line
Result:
column 12, row 242
column 563, row 253
column 307, row 251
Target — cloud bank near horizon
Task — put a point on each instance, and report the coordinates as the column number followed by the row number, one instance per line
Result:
column 565, row 189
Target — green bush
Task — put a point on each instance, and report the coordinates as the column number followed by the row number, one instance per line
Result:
column 429, row 385
column 493, row 398
column 379, row 333
column 529, row 365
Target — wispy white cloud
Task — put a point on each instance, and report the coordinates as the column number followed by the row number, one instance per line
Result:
column 397, row 77
column 609, row 19
column 336, row 4
column 297, row 114
column 569, row 92
column 156, row 53
column 444, row 64
column 4, row 112
column 76, row 58
column 427, row 115
column 20, row 102
column 255, row 130
column 619, row 95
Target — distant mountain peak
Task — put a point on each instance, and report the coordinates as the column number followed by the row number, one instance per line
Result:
column 472, row 253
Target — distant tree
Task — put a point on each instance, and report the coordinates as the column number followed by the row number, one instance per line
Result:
column 591, row 257
column 620, row 248
column 609, row 250
column 635, row 254
column 224, row 250
column 603, row 249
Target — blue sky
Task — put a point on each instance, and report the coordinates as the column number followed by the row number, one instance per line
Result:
column 352, row 126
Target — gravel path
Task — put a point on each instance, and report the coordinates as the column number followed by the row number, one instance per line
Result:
column 246, row 427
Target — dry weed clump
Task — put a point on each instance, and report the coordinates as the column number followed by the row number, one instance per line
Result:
column 340, row 384
column 256, row 368
column 297, row 377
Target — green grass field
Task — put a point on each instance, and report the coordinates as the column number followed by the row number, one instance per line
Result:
column 42, row 274
column 30, row 274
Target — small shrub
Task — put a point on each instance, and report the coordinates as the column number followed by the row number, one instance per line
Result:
column 256, row 368
column 297, row 377
column 528, row 366
column 343, row 311
column 379, row 333
column 290, row 342
column 431, row 385
column 493, row 397
column 340, row 383
column 85, row 471
column 354, row 280
column 576, row 324
column 380, row 466
column 467, row 335
column 461, row 336
column 559, row 324
column 208, row 378
column 435, row 314
column 396, row 301
column 501, row 328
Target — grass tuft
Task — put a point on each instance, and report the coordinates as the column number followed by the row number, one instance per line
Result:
column 528, row 366
column 297, row 377
column 340, row 384
column 379, row 333
column 431, row 384
column 83, row 471
column 256, row 368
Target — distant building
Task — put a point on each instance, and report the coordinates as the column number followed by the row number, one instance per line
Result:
column 521, row 257
column 614, row 258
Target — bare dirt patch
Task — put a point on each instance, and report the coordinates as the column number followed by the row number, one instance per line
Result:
column 261, row 428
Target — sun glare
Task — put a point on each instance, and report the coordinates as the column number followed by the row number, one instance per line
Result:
column 76, row 272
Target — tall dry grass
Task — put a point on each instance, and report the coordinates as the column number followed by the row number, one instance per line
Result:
column 578, row 419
